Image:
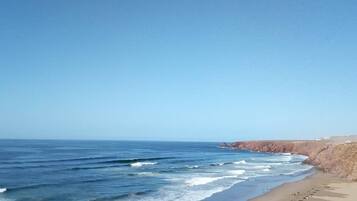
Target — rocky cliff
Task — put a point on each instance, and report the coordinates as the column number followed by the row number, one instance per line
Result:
column 339, row 158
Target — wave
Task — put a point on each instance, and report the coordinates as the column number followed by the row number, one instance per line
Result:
column 117, row 161
column 40, row 185
column 135, row 160
column 192, row 166
column 3, row 190
column 282, row 158
column 148, row 174
column 197, row 181
column 300, row 158
column 66, row 169
column 201, row 180
column 122, row 196
column 167, row 171
column 287, row 158
column 181, row 194
column 237, row 172
column 139, row 164
column 92, row 168
column 32, row 186
column 240, row 162
column 299, row 172
column 180, row 161
column 217, row 164
column 51, row 163
column 112, row 198
column 263, row 164
column 275, row 163
column 261, row 167
column 27, row 167
column 60, row 160
column 145, row 174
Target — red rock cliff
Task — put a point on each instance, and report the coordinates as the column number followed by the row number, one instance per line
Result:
column 330, row 156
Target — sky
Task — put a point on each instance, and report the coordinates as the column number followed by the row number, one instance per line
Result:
column 184, row 70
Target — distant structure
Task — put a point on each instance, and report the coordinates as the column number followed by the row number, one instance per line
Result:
column 344, row 139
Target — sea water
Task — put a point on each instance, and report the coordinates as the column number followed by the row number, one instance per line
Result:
column 41, row 170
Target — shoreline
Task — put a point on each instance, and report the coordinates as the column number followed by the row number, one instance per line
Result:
column 335, row 161
column 319, row 186
column 257, row 186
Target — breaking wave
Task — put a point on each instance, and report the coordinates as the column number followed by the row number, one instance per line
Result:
column 240, row 162
column 140, row 164
column 237, row 172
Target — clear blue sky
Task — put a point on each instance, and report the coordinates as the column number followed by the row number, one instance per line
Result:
column 178, row 70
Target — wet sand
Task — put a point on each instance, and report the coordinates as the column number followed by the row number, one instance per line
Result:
column 318, row 187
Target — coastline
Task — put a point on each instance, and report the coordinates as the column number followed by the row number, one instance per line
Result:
column 318, row 187
column 336, row 155
column 335, row 161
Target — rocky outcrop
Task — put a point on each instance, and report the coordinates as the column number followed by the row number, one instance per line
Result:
column 337, row 158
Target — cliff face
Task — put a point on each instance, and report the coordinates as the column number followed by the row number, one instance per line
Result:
column 337, row 158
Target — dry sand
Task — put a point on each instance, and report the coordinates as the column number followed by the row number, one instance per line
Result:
column 318, row 187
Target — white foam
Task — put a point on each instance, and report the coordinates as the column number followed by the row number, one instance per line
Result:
column 261, row 167
column 3, row 190
column 188, row 194
column 198, row 195
column 275, row 163
column 254, row 167
column 266, row 170
column 237, row 172
column 281, row 158
column 240, row 162
column 298, row 171
column 287, row 158
column 301, row 157
column 182, row 194
column 205, row 180
column 139, row 164
column 201, row 180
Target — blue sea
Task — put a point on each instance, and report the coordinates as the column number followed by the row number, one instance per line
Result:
column 54, row 170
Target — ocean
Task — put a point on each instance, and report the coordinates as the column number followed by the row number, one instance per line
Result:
column 60, row 170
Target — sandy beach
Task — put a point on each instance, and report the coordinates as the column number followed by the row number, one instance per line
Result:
column 334, row 157
column 318, row 187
